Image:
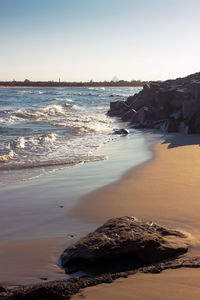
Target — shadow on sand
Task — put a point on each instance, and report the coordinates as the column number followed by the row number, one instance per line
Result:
column 178, row 140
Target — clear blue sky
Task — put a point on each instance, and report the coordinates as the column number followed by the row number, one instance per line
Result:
column 89, row 39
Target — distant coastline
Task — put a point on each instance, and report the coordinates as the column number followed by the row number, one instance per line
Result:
column 56, row 84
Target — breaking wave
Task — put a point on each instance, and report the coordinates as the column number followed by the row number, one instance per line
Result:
column 53, row 128
column 6, row 157
column 30, row 92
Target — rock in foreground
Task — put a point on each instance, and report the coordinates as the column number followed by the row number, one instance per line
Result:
column 121, row 244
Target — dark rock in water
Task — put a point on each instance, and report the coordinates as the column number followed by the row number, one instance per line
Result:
column 122, row 131
column 2, row 290
column 123, row 108
column 121, row 244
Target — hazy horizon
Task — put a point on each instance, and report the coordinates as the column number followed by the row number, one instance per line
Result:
column 88, row 40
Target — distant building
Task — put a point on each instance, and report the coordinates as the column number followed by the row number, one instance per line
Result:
column 115, row 79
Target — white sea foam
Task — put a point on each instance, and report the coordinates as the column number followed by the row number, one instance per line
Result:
column 6, row 157
column 55, row 128
column 48, row 138
column 18, row 143
column 30, row 92
column 40, row 112
column 61, row 99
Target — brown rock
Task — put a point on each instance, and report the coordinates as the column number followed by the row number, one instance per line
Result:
column 123, row 243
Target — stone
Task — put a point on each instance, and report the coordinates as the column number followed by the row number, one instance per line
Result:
column 2, row 289
column 169, row 126
column 197, row 125
column 183, row 128
column 195, row 89
column 128, row 115
column 142, row 115
column 179, row 96
column 115, row 105
column 122, row 131
column 190, row 108
column 123, row 108
column 176, row 115
column 144, row 98
column 123, row 243
column 130, row 99
column 171, row 106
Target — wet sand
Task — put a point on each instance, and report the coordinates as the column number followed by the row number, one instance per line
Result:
column 169, row 285
column 35, row 260
column 34, row 226
column 165, row 190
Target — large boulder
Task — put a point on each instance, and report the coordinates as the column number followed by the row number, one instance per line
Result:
column 145, row 98
column 179, row 96
column 123, row 243
column 190, row 108
column 168, row 126
column 195, row 89
column 118, row 108
column 128, row 115
column 142, row 115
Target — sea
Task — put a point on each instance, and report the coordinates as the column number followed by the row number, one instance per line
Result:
column 56, row 146
column 44, row 130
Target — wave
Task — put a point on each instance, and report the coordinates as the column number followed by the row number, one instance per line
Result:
column 65, row 99
column 9, row 117
column 83, row 94
column 52, row 163
column 18, row 143
column 30, row 92
column 9, row 120
column 49, row 110
column 29, row 142
column 6, row 157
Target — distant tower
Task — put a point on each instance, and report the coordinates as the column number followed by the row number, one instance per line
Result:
column 59, row 79
column 115, row 79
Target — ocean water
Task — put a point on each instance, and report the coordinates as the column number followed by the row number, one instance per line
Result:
column 44, row 130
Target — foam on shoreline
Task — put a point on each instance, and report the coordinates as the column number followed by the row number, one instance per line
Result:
column 34, row 212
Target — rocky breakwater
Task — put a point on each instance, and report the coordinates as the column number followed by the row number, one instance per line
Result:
column 122, row 244
column 170, row 106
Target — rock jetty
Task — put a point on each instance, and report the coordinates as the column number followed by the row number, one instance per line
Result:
column 123, row 244
column 170, row 106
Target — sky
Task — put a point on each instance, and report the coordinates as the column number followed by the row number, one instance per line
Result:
column 82, row 40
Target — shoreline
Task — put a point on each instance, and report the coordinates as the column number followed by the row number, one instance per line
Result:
column 47, row 226
column 157, row 175
column 166, row 165
column 171, row 198
column 66, row 87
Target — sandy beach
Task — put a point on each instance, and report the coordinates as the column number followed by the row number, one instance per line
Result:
column 165, row 190
column 33, row 213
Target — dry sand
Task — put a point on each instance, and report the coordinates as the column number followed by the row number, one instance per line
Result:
column 166, row 190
